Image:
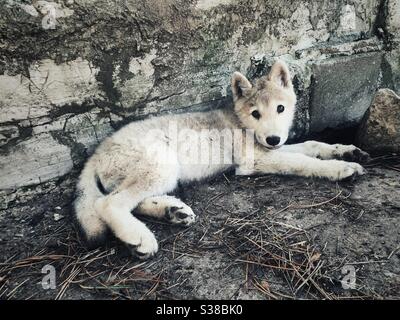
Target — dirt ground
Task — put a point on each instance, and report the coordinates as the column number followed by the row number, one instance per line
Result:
column 267, row 237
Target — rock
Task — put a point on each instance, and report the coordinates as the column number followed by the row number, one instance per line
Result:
column 393, row 17
column 141, row 79
column 342, row 89
column 8, row 133
column 33, row 161
column 88, row 129
column 380, row 128
column 49, row 87
column 391, row 69
column 58, row 217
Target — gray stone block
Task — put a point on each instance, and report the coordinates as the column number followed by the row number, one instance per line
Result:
column 342, row 89
column 33, row 161
column 391, row 69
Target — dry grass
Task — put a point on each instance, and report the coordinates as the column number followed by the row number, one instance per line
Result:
column 258, row 242
column 389, row 161
column 112, row 275
column 265, row 245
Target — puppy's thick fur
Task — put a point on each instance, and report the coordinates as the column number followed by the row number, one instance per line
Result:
column 136, row 167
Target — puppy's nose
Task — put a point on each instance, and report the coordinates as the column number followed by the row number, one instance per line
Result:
column 273, row 140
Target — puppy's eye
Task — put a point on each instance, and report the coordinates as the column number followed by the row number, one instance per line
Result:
column 280, row 108
column 256, row 114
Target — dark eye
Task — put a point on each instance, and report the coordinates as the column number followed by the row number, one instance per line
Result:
column 280, row 108
column 256, row 114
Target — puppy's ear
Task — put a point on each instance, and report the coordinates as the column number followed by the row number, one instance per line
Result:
column 280, row 74
column 240, row 85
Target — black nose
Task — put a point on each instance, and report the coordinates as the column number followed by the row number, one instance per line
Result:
column 273, row 140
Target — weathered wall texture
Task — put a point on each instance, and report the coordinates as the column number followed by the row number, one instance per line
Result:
column 72, row 71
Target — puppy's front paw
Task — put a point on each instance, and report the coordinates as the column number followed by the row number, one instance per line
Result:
column 348, row 170
column 351, row 153
column 180, row 215
column 147, row 247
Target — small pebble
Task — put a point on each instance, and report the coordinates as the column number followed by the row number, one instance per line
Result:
column 58, row 217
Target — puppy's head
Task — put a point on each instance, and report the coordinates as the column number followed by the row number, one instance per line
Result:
column 268, row 107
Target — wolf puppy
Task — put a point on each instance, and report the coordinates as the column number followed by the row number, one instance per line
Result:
column 136, row 167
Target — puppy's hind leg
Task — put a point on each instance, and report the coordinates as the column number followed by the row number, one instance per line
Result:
column 115, row 208
column 93, row 229
column 170, row 208
column 115, row 211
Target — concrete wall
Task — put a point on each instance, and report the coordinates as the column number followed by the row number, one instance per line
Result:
column 73, row 71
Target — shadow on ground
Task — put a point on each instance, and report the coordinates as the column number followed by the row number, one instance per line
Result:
column 266, row 237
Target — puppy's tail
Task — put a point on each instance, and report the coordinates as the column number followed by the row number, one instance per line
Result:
column 89, row 190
